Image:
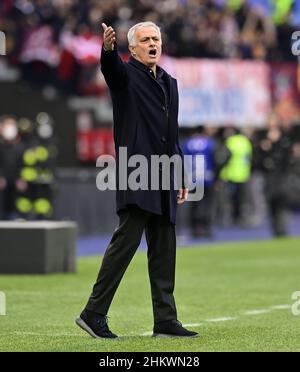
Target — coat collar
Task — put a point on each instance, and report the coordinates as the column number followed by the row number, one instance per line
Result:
column 143, row 67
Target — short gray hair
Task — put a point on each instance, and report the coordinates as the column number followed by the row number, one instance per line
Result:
column 131, row 32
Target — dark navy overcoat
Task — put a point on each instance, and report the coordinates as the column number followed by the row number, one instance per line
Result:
column 145, row 122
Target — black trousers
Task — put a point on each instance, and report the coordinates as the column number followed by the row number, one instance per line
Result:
column 7, row 202
column 161, row 241
column 278, row 209
column 237, row 193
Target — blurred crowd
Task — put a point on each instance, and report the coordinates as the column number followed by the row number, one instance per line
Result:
column 27, row 160
column 234, row 161
column 58, row 41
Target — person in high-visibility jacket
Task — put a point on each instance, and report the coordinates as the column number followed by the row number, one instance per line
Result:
column 237, row 172
column 38, row 173
column 282, row 9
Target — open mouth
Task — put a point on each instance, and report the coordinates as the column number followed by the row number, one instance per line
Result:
column 152, row 52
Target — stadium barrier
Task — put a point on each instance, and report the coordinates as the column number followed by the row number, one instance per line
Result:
column 39, row 247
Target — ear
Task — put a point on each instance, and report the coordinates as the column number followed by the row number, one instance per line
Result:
column 131, row 48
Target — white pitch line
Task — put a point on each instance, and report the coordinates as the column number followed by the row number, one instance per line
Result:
column 280, row 307
column 257, row 312
column 268, row 310
column 213, row 320
column 146, row 334
column 224, row 319
column 20, row 333
column 192, row 324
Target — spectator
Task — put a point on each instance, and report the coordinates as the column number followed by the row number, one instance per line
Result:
column 11, row 150
column 273, row 157
column 236, row 173
column 201, row 213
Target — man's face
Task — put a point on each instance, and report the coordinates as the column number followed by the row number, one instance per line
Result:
column 9, row 130
column 148, row 46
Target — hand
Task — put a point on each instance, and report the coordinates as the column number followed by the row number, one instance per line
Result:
column 109, row 37
column 182, row 196
column 218, row 185
column 3, row 183
column 21, row 185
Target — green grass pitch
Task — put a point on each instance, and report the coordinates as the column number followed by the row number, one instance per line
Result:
column 212, row 282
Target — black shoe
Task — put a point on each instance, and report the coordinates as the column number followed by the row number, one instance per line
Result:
column 94, row 324
column 172, row 328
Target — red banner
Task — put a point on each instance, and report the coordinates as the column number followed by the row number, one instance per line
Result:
column 93, row 143
column 40, row 46
column 86, row 47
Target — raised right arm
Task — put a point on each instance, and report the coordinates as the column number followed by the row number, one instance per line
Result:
column 112, row 67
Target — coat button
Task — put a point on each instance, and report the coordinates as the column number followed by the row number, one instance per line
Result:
column 163, row 108
column 163, row 139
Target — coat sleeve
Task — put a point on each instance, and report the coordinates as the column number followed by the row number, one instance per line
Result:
column 113, row 69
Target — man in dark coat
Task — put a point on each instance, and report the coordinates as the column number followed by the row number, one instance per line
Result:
column 145, row 108
column 272, row 157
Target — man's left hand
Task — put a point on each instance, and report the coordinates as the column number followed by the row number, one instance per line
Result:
column 182, row 196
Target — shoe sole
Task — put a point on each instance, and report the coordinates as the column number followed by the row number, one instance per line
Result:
column 165, row 335
column 82, row 324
